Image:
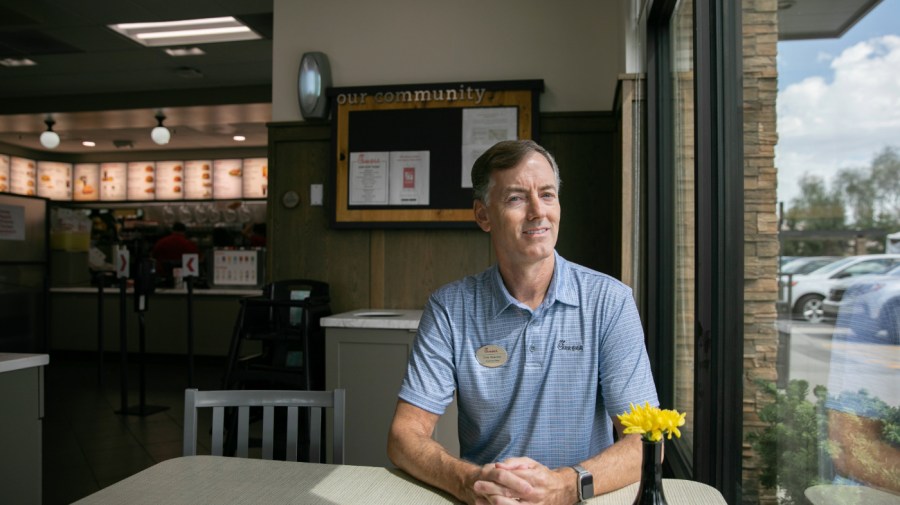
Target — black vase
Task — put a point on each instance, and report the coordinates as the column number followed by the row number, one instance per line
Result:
column 651, row 490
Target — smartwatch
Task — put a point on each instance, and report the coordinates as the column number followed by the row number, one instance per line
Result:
column 585, row 483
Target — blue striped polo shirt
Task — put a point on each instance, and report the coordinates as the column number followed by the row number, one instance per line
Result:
column 570, row 364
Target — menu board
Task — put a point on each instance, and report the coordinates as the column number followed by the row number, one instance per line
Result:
column 4, row 174
column 22, row 176
column 54, row 180
column 256, row 177
column 170, row 180
column 239, row 268
column 112, row 181
column 198, row 183
column 137, row 180
column 141, row 180
column 86, row 180
column 227, row 179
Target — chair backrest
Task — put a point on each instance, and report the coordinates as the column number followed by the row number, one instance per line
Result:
column 268, row 400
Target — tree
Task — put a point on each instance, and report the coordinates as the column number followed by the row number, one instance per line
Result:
column 815, row 209
column 873, row 193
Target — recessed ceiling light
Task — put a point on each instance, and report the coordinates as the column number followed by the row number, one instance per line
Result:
column 89, row 143
column 17, row 62
column 185, row 51
column 239, row 138
column 187, row 31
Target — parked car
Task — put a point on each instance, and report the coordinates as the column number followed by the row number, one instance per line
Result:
column 808, row 291
column 869, row 306
column 805, row 264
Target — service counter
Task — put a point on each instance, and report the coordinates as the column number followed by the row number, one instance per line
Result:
column 74, row 320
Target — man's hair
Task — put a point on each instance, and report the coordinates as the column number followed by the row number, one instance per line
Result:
column 502, row 156
column 179, row 226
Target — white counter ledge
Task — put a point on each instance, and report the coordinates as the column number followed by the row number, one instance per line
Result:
column 388, row 319
column 14, row 361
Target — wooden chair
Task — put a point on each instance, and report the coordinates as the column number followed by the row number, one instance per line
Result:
column 268, row 400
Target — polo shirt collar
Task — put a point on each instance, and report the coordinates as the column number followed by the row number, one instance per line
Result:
column 559, row 290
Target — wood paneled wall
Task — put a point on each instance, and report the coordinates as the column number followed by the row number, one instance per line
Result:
column 398, row 269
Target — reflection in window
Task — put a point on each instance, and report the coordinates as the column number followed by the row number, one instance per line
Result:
column 682, row 76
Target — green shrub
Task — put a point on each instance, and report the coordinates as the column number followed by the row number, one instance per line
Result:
column 791, row 444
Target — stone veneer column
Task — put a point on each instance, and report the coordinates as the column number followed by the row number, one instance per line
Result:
column 760, row 74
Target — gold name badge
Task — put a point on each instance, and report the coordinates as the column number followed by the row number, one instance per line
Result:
column 491, row 356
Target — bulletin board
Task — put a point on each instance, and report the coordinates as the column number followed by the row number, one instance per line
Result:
column 402, row 154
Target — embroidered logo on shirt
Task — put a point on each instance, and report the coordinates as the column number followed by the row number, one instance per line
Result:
column 563, row 347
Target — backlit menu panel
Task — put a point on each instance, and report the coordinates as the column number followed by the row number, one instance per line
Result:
column 86, row 182
column 112, row 181
column 4, row 174
column 256, row 178
column 22, row 176
column 198, row 183
column 227, row 179
column 169, row 180
column 141, row 180
column 54, row 180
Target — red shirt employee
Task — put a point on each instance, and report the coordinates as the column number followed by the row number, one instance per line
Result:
column 168, row 250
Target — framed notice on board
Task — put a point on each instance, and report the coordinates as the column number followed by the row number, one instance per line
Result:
column 402, row 154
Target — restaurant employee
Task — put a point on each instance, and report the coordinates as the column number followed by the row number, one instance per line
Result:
column 541, row 353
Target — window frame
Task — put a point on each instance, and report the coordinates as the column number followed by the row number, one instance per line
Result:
column 719, row 289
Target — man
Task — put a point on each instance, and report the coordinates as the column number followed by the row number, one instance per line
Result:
column 167, row 251
column 541, row 353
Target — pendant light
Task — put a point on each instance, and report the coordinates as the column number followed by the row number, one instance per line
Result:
column 160, row 134
column 49, row 138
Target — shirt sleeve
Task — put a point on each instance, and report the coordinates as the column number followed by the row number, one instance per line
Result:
column 430, row 375
column 625, row 374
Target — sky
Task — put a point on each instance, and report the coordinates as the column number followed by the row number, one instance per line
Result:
column 838, row 100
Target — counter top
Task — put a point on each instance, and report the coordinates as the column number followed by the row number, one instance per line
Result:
column 13, row 361
column 164, row 291
column 388, row 319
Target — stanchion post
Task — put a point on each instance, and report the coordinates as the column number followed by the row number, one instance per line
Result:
column 189, row 270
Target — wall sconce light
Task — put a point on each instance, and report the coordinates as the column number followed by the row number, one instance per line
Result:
column 49, row 138
column 160, row 134
column 313, row 79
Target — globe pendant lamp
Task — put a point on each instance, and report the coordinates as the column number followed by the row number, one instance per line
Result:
column 49, row 138
column 160, row 134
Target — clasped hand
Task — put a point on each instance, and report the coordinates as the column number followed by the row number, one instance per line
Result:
column 518, row 481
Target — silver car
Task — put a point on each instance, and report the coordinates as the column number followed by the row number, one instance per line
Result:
column 869, row 306
column 808, row 292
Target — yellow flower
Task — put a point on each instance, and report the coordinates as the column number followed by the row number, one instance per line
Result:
column 652, row 422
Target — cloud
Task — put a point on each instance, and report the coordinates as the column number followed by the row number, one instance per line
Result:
column 825, row 125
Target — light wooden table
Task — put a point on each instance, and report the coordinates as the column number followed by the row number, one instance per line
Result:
column 199, row 480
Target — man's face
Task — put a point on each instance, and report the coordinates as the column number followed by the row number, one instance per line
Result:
column 523, row 214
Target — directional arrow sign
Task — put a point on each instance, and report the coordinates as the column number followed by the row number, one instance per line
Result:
column 189, row 265
column 122, row 262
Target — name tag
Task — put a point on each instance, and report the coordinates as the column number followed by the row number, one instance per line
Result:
column 491, row 356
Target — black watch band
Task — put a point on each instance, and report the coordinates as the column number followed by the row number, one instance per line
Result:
column 585, row 483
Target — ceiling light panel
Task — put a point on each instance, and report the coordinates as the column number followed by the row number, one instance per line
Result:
column 187, row 31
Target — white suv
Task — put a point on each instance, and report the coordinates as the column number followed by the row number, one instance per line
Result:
column 808, row 291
